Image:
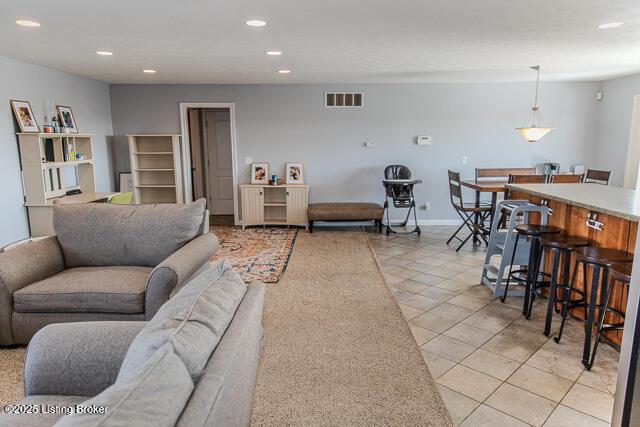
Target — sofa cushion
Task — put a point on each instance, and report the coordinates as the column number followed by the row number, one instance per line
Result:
column 86, row 289
column 102, row 234
column 344, row 211
column 192, row 321
column 154, row 395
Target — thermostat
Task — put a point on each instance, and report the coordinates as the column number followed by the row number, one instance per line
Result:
column 423, row 140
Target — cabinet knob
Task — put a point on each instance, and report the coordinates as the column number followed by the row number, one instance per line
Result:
column 261, row 193
column 287, row 193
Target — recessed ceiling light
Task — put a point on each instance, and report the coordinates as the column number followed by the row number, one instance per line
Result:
column 149, row 71
column 284, row 71
column 104, row 53
column 256, row 23
column 608, row 25
column 274, row 53
column 27, row 23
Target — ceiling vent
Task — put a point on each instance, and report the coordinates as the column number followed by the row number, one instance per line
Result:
column 343, row 100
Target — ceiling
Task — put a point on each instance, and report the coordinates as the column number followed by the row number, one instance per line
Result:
column 326, row 41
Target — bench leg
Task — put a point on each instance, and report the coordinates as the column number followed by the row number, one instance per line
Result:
column 310, row 226
column 379, row 222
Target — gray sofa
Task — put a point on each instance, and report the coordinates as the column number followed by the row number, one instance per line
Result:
column 106, row 262
column 193, row 364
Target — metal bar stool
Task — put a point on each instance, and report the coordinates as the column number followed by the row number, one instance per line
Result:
column 600, row 260
column 561, row 246
column 534, row 232
column 620, row 273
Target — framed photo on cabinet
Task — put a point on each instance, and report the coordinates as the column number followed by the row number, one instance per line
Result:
column 67, row 119
column 24, row 116
column 295, row 173
column 260, row 173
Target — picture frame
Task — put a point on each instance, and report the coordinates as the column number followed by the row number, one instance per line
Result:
column 294, row 173
column 260, row 173
column 23, row 113
column 67, row 119
column 125, row 182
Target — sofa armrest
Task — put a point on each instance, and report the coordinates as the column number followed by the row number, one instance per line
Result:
column 176, row 270
column 77, row 359
column 23, row 265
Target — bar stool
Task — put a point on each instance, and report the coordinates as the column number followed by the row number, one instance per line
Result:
column 561, row 246
column 620, row 273
column 600, row 261
column 533, row 232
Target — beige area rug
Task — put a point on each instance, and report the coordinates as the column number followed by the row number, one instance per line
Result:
column 11, row 366
column 255, row 253
column 337, row 350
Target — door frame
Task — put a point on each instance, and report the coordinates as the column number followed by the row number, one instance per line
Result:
column 632, row 164
column 186, row 148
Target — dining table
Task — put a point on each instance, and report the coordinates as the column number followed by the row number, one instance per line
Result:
column 485, row 186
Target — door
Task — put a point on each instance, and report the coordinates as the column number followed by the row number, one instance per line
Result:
column 219, row 161
column 252, row 206
column 297, row 206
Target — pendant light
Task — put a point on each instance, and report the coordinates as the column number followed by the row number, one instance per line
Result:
column 535, row 132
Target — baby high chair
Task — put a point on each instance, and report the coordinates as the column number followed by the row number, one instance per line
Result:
column 398, row 187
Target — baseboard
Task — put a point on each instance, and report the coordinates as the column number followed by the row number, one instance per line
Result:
column 393, row 222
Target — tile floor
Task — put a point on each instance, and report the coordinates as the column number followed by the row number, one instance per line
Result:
column 493, row 367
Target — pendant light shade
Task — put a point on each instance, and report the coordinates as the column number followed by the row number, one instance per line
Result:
column 535, row 131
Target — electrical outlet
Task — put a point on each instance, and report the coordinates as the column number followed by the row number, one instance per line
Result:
column 427, row 205
column 369, row 144
column 248, row 160
column 465, row 160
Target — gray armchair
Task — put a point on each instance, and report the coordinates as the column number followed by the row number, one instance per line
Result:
column 106, row 262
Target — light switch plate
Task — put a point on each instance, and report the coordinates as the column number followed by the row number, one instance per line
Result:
column 248, row 160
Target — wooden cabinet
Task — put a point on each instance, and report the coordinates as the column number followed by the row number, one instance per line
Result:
column 603, row 231
column 274, row 205
column 297, row 206
column 252, row 206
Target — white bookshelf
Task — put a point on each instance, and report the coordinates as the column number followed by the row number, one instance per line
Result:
column 44, row 158
column 156, row 168
column 50, row 169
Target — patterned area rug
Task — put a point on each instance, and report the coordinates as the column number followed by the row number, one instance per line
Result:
column 257, row 253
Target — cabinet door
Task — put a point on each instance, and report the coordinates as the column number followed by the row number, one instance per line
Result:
column 296, row 206
column 252, row 206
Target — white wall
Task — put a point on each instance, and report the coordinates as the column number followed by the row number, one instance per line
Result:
column 38, row 85
column 614, row 123
column 280, row 123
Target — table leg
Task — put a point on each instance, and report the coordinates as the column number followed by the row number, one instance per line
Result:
column 476, row 220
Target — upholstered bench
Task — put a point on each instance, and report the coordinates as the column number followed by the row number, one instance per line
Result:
column 345, row 212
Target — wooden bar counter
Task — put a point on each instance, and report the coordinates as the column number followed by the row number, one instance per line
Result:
column 608, row 216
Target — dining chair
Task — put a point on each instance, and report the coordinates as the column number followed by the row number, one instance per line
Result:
column 493, row 173
column 473, row 216
column 565, row 179
column 518, row 179
column 597, row 176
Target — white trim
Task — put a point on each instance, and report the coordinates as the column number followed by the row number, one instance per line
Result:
column 186, row 156
column 632, row 165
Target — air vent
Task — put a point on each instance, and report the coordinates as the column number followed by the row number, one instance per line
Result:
column 343, row 100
